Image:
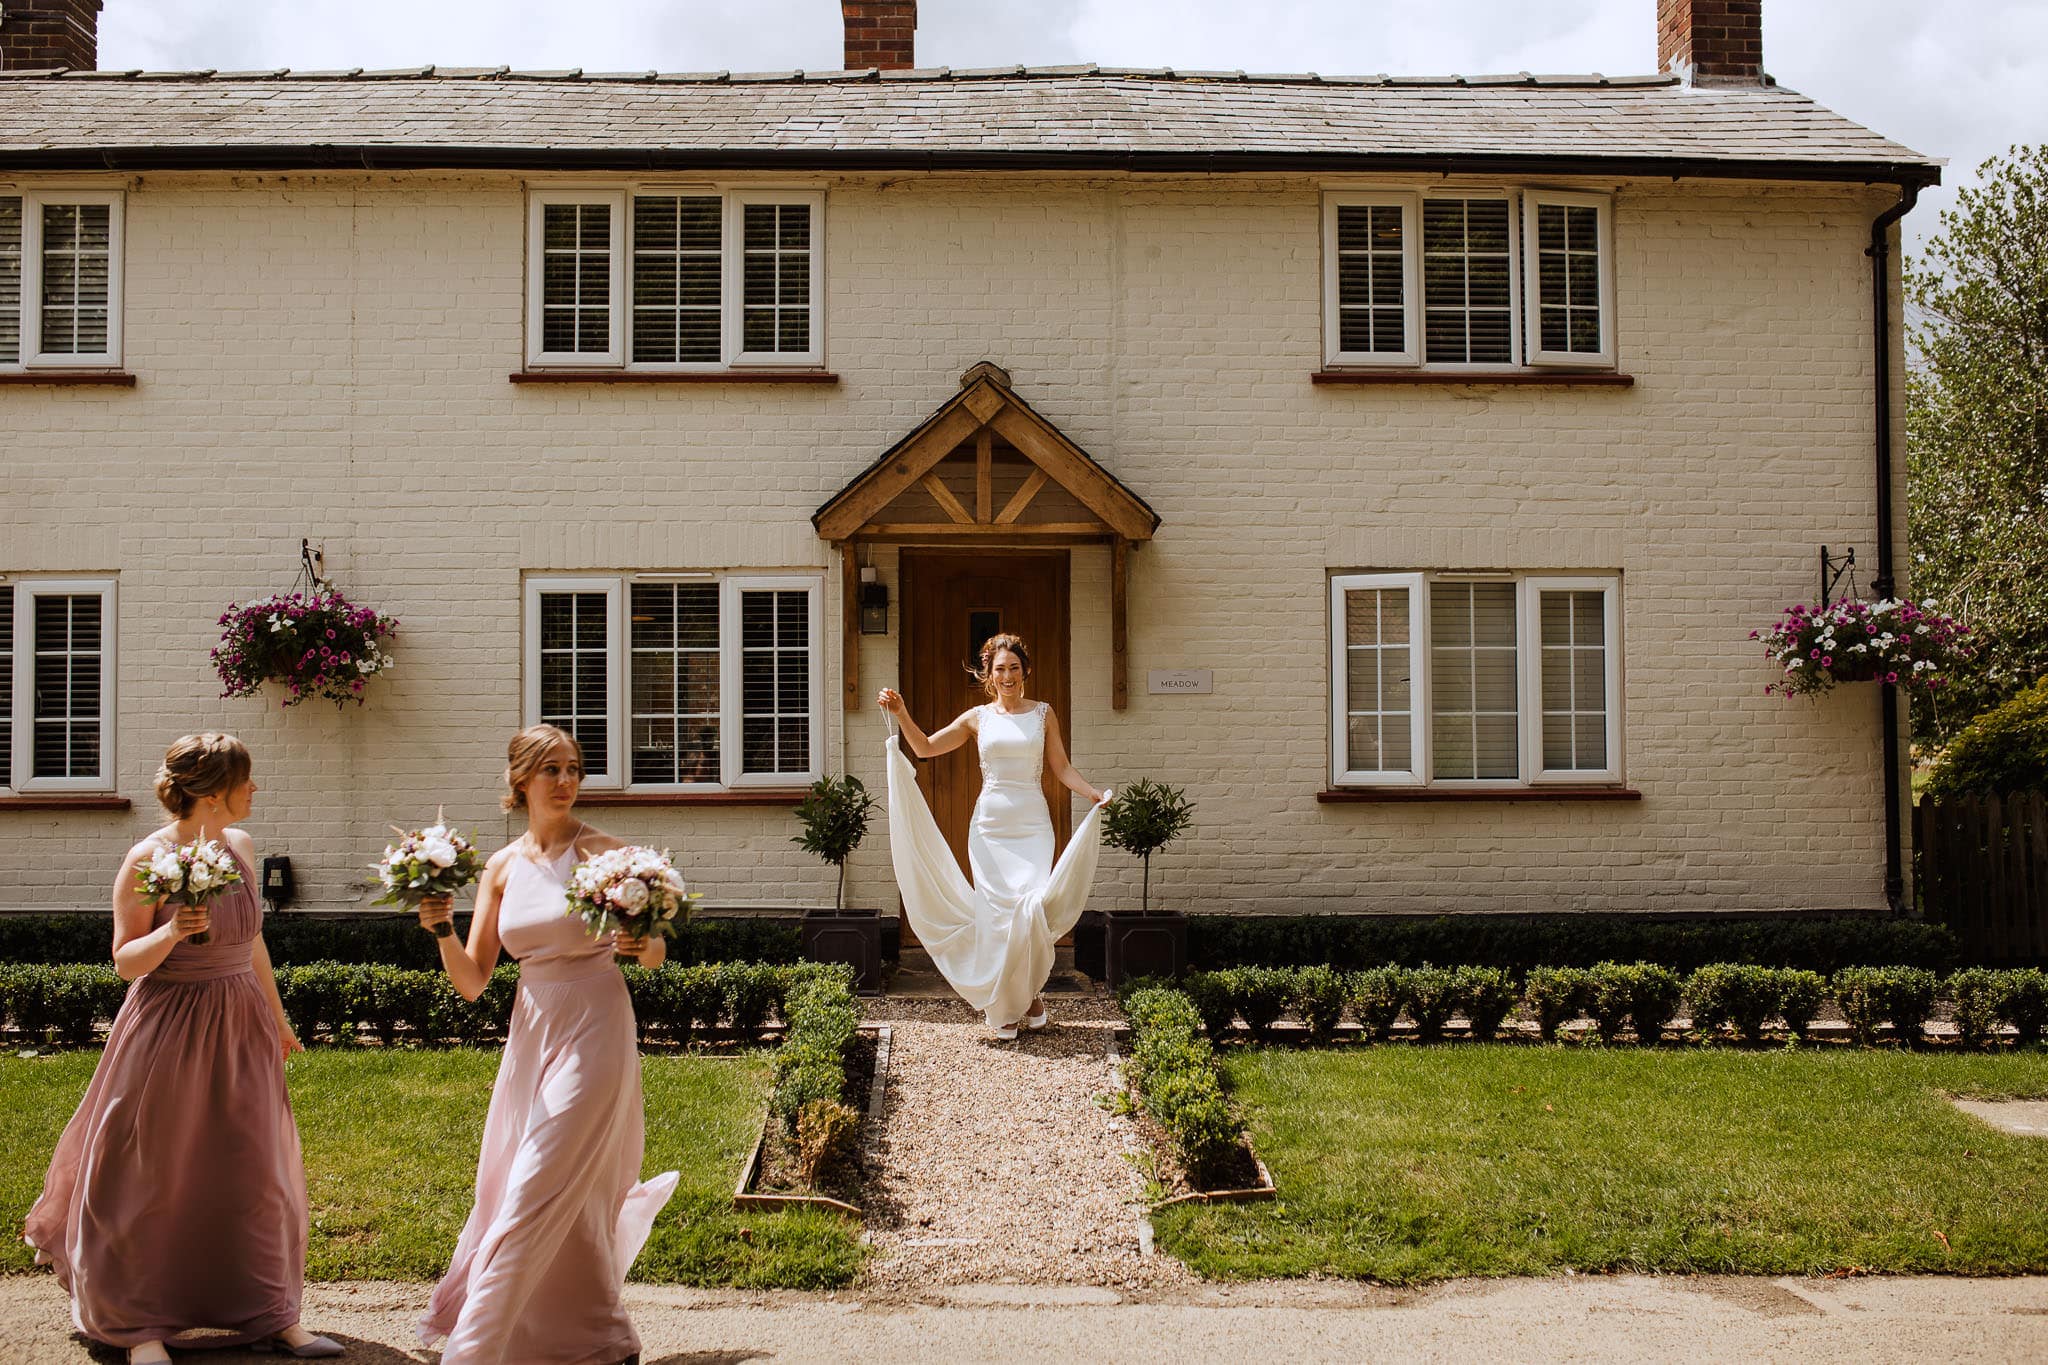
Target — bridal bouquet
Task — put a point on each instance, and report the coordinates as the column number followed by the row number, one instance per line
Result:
column 188, row 874
column 435, row 861
column 634, row 890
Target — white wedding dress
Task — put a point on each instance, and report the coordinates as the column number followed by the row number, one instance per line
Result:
column 993, row 940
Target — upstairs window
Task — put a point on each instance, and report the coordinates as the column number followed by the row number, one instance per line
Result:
column 1469, row 280
column 60, row 280
column 653, row 279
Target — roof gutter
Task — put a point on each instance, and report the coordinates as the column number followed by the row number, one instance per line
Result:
column 375, row 156
column 1881, row 342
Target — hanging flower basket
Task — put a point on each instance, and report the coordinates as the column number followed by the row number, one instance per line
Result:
column 316, row 643
column 1892, row 641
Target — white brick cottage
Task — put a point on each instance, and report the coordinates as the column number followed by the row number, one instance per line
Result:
column 1439, row 441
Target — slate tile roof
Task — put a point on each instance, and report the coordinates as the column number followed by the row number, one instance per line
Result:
column 1079, row 116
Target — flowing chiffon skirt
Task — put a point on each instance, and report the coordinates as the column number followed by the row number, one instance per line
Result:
column 992, row 940
column 560, row 1211
column 175, row 1200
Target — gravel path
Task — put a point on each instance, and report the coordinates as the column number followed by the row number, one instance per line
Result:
column 995, row 1161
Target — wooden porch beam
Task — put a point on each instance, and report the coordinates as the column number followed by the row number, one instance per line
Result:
column 1119, row 623
column 1050, row 451
column 1021, row 499
column 946, row 530
column 849, row 589
column 943, row 496
column 913, row 461
column 984, row 474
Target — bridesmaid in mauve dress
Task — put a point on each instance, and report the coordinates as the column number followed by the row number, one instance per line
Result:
column 175, row 1201
column 560, row 1209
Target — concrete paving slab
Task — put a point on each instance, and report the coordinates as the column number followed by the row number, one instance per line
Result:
column 2028, row 1118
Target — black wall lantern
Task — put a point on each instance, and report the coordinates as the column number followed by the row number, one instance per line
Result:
column 874, row 602
column 277, row 881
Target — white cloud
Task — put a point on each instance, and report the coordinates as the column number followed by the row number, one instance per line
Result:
column 1956, row 81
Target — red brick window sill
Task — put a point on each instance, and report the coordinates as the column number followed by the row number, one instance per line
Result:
column 751, row 797
column 1559, row 379
column 674, row 377
column 54, row 802
column 1339, row 796
column 70, row 379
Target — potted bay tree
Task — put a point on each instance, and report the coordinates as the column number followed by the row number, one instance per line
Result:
column 835, row 814
column 1143, row 818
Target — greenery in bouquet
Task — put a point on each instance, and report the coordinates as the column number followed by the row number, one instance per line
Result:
column 190, row 874
column 635, row 890
column 1890, row 641
column 435, row 861
column 317, row 643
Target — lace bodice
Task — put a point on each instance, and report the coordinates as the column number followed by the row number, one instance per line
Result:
column 1012, row 746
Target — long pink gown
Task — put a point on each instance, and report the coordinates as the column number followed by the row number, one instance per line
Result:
column 560, row 1211
column 176, row 1201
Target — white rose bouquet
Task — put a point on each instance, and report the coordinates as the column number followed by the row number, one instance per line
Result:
column 634, row 890
column 188, row 874
column 435, row 861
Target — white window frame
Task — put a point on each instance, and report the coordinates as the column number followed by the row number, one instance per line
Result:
column 1531, row 627
column 1523, row 294
column 1528, row 663
column 1340, row 682
column 538, row 202
column 736, row 202
column 614, row 672
column 729, row 684
column 1514, row 305
column 732, row 247
column 24, row 592
column 1411, row 271
column 618, row 675
column 1532, row 201
column 32, row 355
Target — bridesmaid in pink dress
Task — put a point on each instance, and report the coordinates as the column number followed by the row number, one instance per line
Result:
column 175, row 1201
column 560, row 1210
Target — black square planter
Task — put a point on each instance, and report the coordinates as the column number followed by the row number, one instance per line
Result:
column 850, row 936
column 1089, row 946
column 1141, row 943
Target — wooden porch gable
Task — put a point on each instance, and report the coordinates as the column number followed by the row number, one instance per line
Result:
column 985, row 469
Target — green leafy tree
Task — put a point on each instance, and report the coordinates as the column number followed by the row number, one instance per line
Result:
column 1144, row 818
column 835, row 815
column 1977, row 418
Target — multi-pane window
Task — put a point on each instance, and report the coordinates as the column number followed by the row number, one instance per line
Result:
column 677, row 280
column 1460, row 280
column 60, row 295
column 682, row 682
column 1500, row 680
column 56, row 685
column 1570, row 297
column 1468, row 282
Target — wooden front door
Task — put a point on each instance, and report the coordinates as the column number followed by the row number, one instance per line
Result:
column 952, row 601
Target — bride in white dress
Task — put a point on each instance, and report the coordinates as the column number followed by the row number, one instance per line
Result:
column 993, row 940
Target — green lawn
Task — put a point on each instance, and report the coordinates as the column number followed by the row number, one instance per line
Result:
column 1403, row 1164
column 391, row 1141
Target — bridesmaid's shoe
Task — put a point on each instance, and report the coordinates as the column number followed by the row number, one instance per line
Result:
column 316, row 1349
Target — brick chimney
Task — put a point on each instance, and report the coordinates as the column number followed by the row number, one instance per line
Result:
column 35, row 34
column 880, row 33
column 1711, row 42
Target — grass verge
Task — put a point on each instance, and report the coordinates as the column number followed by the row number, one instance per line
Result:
column 1410, row 1164
column 391, row 1142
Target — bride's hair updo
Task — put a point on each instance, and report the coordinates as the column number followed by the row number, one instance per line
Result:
column 524, row 755
column 986, row 674
column 200, row 765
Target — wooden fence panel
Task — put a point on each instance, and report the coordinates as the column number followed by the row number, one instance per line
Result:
column 1980, row 866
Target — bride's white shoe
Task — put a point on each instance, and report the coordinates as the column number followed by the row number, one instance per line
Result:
column 1038, row 1020
column 1007, row 1035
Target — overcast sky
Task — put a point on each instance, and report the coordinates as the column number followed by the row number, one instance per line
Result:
column 1961, row 81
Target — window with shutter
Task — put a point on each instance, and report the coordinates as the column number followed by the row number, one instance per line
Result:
column 1571, row 318
column 56, row 685
column 77, row 277
column 705, row 660
column 676, row 712
column 577, row 259
column 775, row 285
column 1468, row 282
column 1521, row 685
column 678, row 274
column 1370, row 239
column 10, row 285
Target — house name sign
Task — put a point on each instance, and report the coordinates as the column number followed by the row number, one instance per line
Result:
column 1192, row 682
